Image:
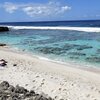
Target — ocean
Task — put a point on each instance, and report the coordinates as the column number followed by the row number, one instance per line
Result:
column 63, row 41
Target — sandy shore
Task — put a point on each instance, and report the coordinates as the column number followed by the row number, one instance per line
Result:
column 58, row 81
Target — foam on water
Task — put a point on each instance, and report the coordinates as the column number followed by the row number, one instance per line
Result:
column 84, row 29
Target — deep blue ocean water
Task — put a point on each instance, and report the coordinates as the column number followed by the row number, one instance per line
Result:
column 85, row 23
column 59, row 45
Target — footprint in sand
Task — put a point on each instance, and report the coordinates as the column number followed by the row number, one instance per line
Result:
column 42, row 84
column 33, row 81
column 43, row 80
column 88, row 95
column 60, row 89
column 51, row 77
column 37, row 76
column 56, row 97
column 52, row 90
column 26, row 84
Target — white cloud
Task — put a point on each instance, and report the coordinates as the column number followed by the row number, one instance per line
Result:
column 31, row 9
column 37, row 10
column 45, row 10
column 10, row 7
column 66, row 8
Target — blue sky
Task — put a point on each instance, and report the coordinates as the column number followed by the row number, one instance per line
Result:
column 44, row 10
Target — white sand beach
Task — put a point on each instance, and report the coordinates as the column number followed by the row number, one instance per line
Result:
column 61, row 82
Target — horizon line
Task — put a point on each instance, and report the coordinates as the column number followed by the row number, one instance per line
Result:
column 52, row 21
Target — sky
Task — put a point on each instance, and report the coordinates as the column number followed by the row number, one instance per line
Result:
column 48, row 10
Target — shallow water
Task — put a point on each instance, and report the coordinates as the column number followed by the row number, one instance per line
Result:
column 60, row 45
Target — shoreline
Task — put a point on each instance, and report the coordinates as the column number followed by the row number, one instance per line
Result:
column 88, row 67
column 59, row 81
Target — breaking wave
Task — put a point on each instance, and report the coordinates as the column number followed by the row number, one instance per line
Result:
column 84, row 29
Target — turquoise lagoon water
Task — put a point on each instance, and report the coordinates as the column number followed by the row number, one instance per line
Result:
column 60, row 45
